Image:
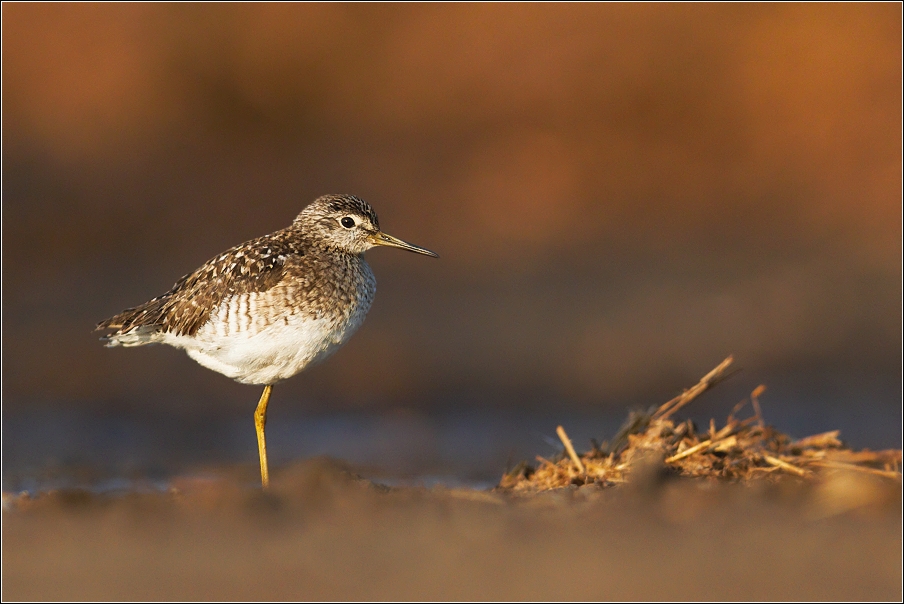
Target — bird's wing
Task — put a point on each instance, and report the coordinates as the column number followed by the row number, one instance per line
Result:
column 254, row 266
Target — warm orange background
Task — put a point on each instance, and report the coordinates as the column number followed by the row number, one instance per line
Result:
column 621, row 195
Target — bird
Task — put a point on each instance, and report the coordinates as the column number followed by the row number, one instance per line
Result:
column 266, row 309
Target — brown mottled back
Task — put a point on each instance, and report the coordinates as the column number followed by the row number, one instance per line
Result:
column 316, row 256
column 255, row 266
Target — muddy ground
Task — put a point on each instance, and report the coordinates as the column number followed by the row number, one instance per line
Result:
column 325, row 533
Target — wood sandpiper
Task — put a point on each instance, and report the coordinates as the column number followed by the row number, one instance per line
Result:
column 264, row 310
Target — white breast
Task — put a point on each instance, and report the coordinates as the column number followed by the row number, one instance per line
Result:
column 266, row 351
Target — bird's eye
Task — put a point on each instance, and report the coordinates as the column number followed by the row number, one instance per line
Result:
column 348, row 222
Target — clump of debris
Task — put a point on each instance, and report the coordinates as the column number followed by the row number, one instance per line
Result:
column 742, row 449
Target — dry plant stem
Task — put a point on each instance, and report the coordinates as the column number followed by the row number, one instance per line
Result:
column 755, row 400
column 735, row 409
column 840, row 465
column 708, row 381
column 543, row 460
column 784, row 465
column 818, row 440
column 730, row 428
column 689, row 452
column 740, row 450
column 570, row 448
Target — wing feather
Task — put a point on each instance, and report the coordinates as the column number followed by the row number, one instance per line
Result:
column 254, row 266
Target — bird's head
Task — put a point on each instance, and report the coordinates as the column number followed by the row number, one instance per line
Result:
column 348, row 223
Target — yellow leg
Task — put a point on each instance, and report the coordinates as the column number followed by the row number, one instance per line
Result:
column 260, row 421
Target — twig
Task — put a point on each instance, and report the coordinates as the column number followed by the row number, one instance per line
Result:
column 735, row 409
column 784, row 465
column 825, row 439
column 543, row 460
column 570, row 448
column 850, row 466
column 708, row 381
column 754, row 398
column 770, row 469
column 730, row 428
column 689, row 452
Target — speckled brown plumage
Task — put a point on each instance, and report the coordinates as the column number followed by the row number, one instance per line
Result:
column 320, row 278
column 285, row 258
column 264, row 310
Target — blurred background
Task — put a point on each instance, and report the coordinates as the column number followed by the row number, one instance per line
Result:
column 621, row 196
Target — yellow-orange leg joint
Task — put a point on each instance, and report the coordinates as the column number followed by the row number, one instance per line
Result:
column 260, row 421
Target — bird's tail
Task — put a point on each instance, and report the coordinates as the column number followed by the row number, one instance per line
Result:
column 139, row 336
column 132, row 327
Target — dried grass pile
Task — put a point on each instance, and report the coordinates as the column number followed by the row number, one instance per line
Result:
column 740, row 450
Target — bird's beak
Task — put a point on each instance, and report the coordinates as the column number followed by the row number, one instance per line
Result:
column 381, row 238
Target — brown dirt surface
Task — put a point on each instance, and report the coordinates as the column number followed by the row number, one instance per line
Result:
column 664, row 512
column 323, row 533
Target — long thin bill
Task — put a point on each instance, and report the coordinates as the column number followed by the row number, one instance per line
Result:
column 382, row 238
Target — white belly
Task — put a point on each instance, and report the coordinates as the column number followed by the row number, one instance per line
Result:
column 269, row 354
